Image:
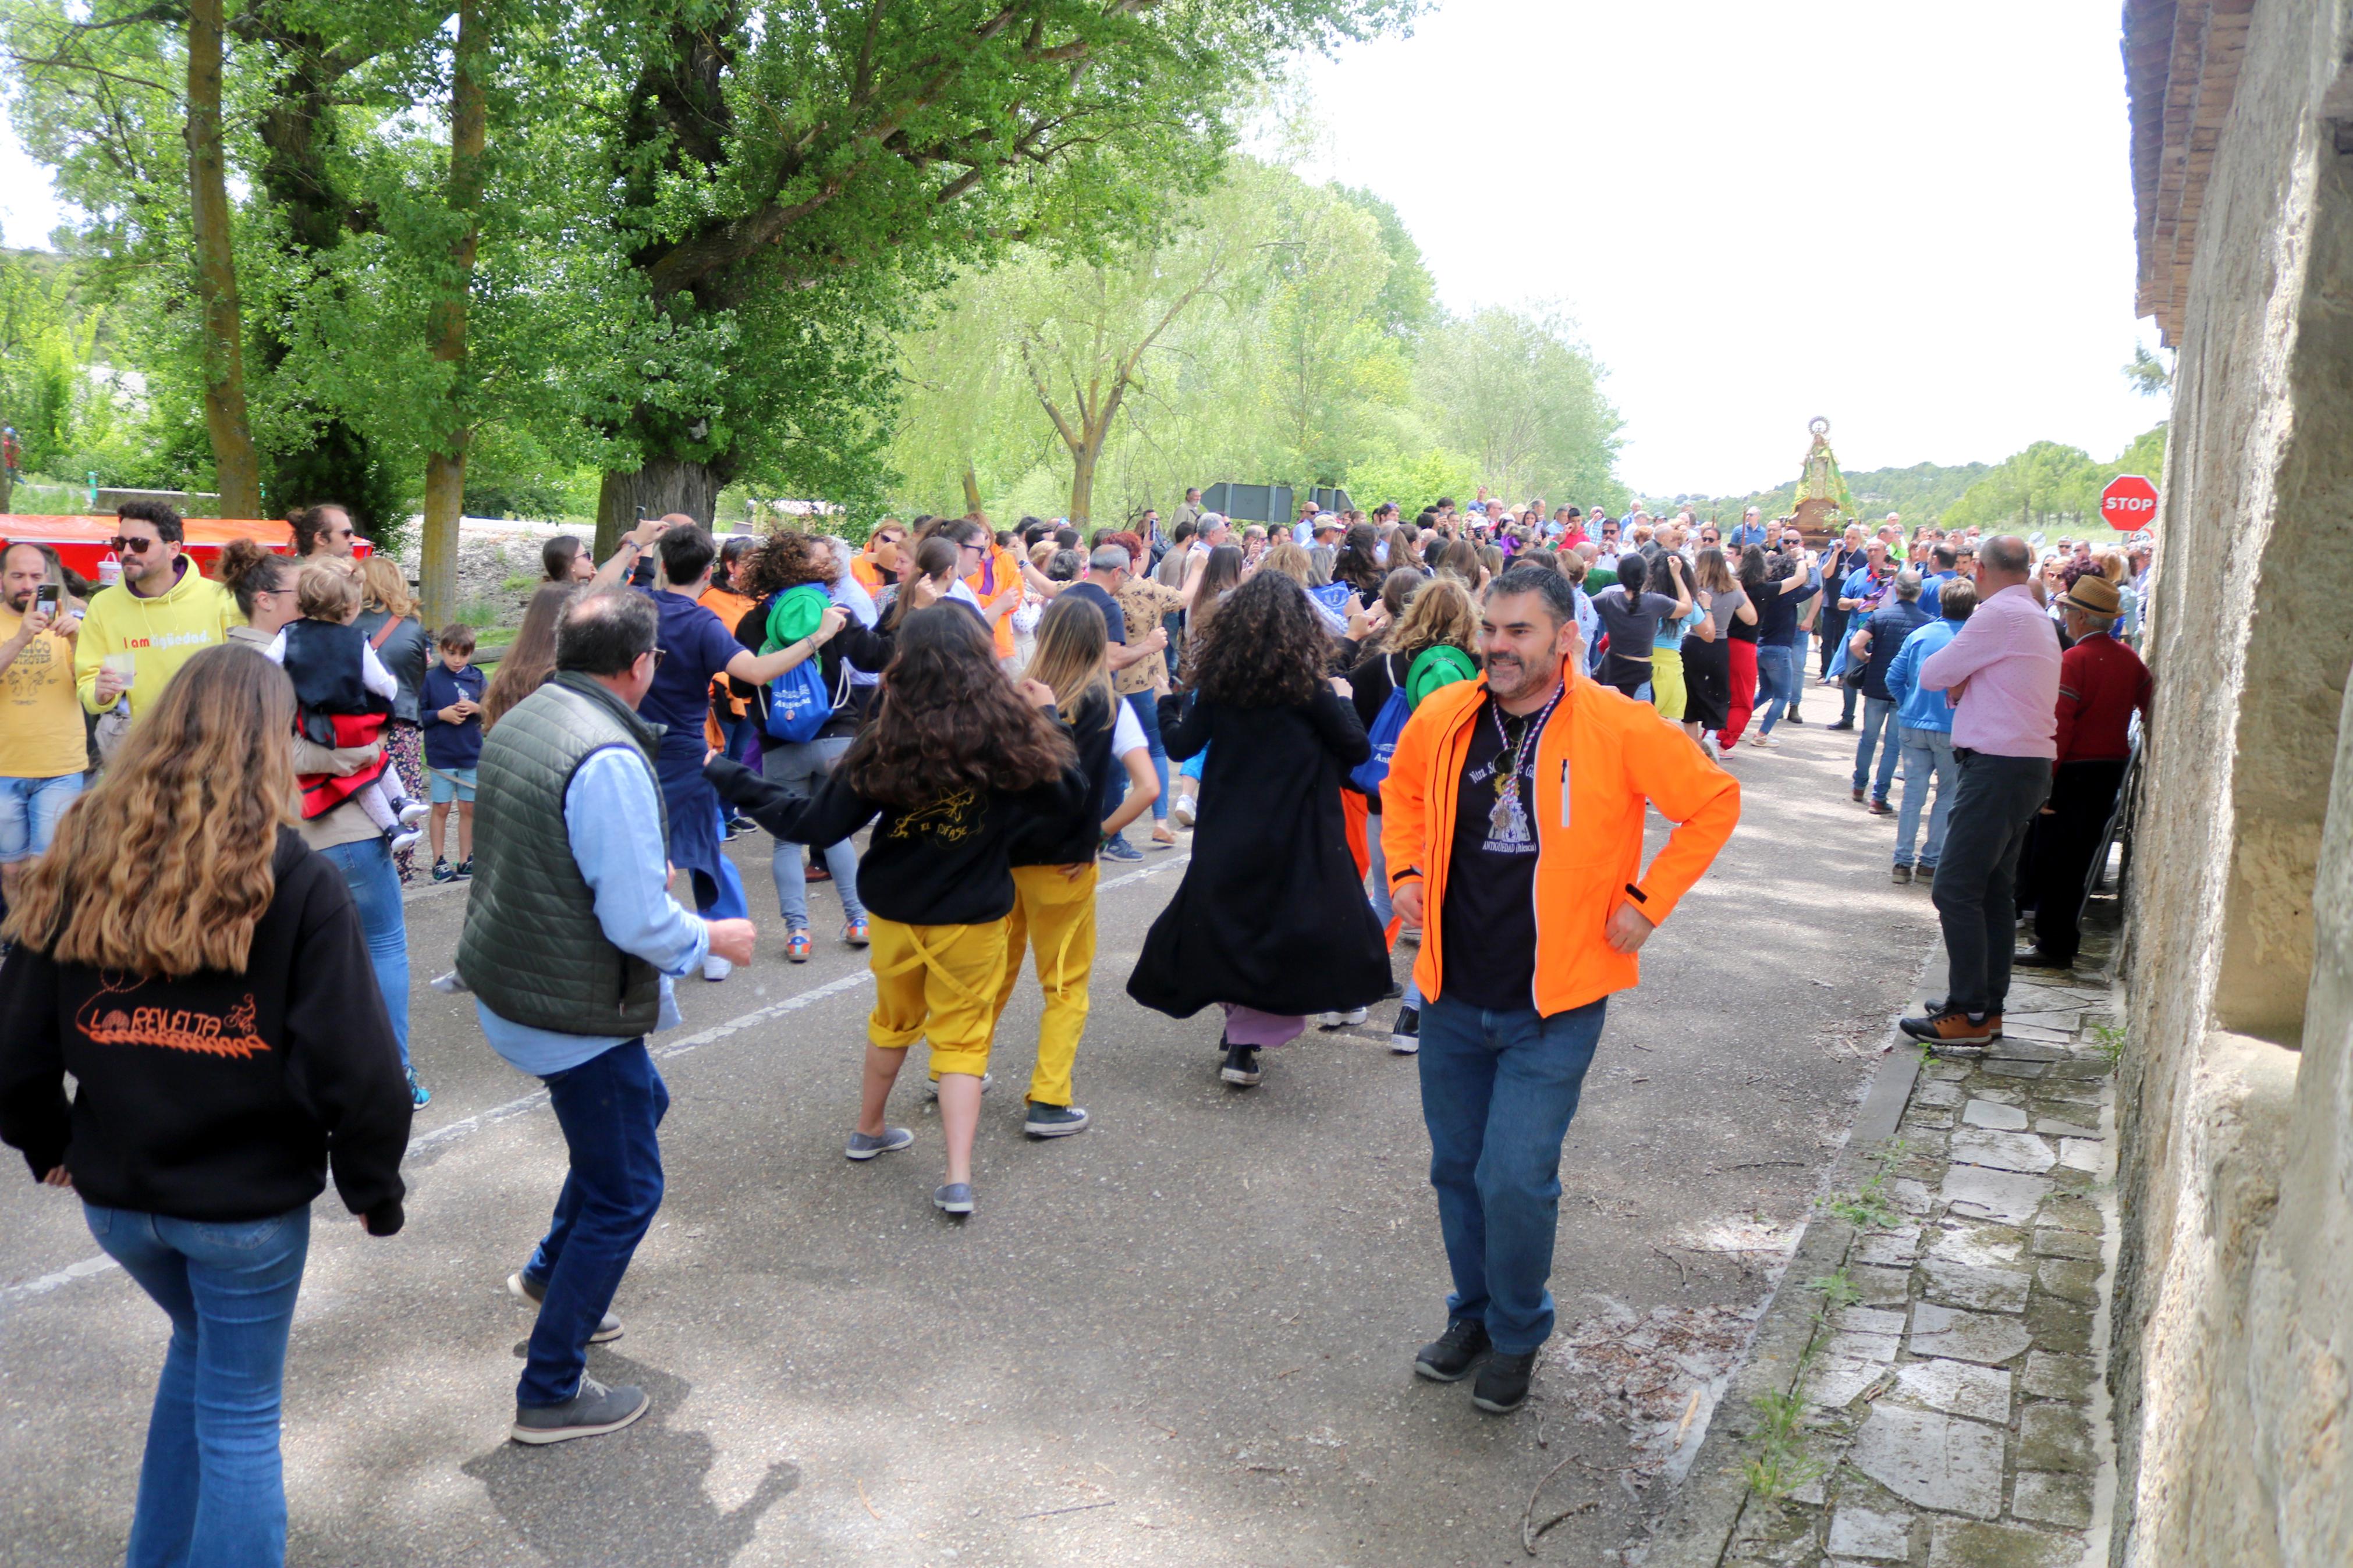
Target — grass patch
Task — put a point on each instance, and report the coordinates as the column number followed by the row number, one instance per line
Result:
column 2108, row 1043
column 1869, row 1208
column 479, row 613
column 521, row 583
column 1836, row 1290
column 1780, row 1464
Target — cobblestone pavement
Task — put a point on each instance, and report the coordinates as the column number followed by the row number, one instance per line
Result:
column 1946, row 1408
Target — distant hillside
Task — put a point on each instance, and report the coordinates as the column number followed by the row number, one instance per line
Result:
column 1922, row 492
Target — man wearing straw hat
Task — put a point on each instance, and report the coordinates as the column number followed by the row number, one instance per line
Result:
column 2101, row 683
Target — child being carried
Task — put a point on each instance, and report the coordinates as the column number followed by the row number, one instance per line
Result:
column 346, row 696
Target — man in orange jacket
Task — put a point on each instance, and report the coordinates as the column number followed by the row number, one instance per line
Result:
column 1512, row 821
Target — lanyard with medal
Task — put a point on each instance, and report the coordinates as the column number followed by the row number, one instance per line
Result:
column 1506, row 822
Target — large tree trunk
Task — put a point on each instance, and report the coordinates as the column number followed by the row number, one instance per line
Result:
column 1084, row 458
column 236, row 469
column 663, row 486
column 445, row 470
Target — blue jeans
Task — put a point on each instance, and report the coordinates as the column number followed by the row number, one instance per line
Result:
column 1383, row 909
column 1878, row 719
column 1799, row 652
column 367, row 871
column 1776, row 684
column 801, row 768
column 609, row 1107
column 1498, row 1090
column 1145, row 705
column 1928, row 753
column 29, row 812
column 212, row 1488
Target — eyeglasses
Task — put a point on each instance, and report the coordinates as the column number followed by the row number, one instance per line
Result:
column 136, row 546
column 659, row 655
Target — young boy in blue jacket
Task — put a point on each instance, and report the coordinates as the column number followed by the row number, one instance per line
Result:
column 449, row 710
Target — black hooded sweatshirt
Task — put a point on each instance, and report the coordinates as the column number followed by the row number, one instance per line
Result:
column 215, row 1097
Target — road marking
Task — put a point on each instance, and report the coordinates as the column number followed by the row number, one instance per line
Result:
column 465, row 1127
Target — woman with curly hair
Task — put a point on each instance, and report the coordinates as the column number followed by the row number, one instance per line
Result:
column 1271, row 922
column 204, row 979
column 958, row 764
column 790, row 581
column 1222, row 574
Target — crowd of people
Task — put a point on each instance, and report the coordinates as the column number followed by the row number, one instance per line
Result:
column 1414, row 757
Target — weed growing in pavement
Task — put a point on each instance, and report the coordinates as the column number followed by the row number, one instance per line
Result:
column 1837, row 1291
column 2107, row 1043
column 1870, row 1209
column 1781, row 1464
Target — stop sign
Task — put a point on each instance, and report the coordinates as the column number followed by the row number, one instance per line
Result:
column 2129, row 504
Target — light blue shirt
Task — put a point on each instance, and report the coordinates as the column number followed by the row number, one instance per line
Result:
column 1918, row 707
column 1589, row 620
column 851, row 595
column 609, row 809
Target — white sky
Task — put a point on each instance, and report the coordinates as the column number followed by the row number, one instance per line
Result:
column 1916, row 220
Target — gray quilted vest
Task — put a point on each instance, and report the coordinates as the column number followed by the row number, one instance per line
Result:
column 532, row 948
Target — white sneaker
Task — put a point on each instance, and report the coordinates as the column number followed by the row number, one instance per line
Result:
column 1346, row 1020
column 415, row 812
column 1181, row 814
column 717, row 968
column 405, row 838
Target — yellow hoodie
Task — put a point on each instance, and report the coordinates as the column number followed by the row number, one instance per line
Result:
column 166, row 632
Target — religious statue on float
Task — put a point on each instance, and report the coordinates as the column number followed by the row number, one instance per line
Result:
column 1822, row 500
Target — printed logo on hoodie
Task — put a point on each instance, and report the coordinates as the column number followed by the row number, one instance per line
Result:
column 106, row 1021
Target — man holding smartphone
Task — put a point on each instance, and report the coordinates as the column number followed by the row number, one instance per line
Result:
column 42, row 752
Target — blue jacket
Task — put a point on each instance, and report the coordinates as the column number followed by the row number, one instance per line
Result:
column 1917, row 708
column 450, row 745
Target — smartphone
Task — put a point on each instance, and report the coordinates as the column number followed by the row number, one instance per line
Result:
column 46, row 597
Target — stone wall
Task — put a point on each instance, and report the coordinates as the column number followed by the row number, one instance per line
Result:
column 2234, row 1299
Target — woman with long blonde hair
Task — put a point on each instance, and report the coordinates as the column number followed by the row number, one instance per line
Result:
column 1054, row 867
column 388, row 620
column 203, row 977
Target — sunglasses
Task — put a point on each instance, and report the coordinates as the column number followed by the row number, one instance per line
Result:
column 136, row 546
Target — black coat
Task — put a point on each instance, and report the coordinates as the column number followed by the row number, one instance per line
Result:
column 1271, row 914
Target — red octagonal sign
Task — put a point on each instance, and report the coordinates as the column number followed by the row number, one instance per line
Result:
column 2129, row 504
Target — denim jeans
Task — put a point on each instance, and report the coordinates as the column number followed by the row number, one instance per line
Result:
column 367, row 871
column 1878, row 722
column 1498, row 1089
column 1799, row 652
column 609, row 1107
column 1977, row 875
column 212, row 1488
column 801, row 768
column 1777, row 680
column 1383, row 911
column 1928, row 753
column 29, row 811
column 1145, row 705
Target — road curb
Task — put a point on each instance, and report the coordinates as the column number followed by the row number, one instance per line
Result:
column 1699, row 1528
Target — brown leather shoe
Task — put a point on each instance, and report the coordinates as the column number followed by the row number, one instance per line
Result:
column 1951, row 1026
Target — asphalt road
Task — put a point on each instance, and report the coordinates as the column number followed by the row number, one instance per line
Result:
column 1182, row 1338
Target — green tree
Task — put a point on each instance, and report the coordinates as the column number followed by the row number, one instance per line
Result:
column 1519, row 395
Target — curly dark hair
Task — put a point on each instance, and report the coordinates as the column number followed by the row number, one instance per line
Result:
column 1265, row 648
column 947, row 719
column 786, row 559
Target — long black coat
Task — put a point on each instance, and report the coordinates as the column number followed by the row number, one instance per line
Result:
column 1271, row 914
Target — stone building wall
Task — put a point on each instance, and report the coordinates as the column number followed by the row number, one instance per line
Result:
column 2234, row 1300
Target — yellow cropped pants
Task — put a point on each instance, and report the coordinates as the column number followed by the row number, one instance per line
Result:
column 1667, row 682
column 1059, row 916
column 936, row 981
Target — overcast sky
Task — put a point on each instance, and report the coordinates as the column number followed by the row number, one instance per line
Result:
column 1914, row 220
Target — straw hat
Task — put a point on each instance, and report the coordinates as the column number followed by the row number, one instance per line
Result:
column 2094, row 594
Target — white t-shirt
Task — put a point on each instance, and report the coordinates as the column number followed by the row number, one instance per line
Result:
column 1127, row 731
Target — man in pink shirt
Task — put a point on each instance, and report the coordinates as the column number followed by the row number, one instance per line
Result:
column 2001, row 675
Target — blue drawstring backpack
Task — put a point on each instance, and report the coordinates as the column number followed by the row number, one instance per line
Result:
column 799, row 702
column 1388, row 725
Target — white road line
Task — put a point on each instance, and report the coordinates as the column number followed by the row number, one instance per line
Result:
column 466, row 1126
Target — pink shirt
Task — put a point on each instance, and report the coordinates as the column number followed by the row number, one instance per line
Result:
column 2003, row 668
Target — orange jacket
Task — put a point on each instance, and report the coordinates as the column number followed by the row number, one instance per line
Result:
column 1003, row 566
column 1603, row 758
column 730, row 608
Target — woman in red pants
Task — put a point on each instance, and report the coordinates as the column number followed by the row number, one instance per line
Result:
column 1741, row 640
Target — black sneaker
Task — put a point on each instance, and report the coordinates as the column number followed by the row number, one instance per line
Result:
column 1241, row 1065
column 591, row 1413
column 2035, row 958
column 1503, row 1385
column 1450, row 1357
column 1405, row 1035
column 443, row 871
column 465, row 868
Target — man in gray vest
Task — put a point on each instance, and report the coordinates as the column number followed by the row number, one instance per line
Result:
column 570, row 945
